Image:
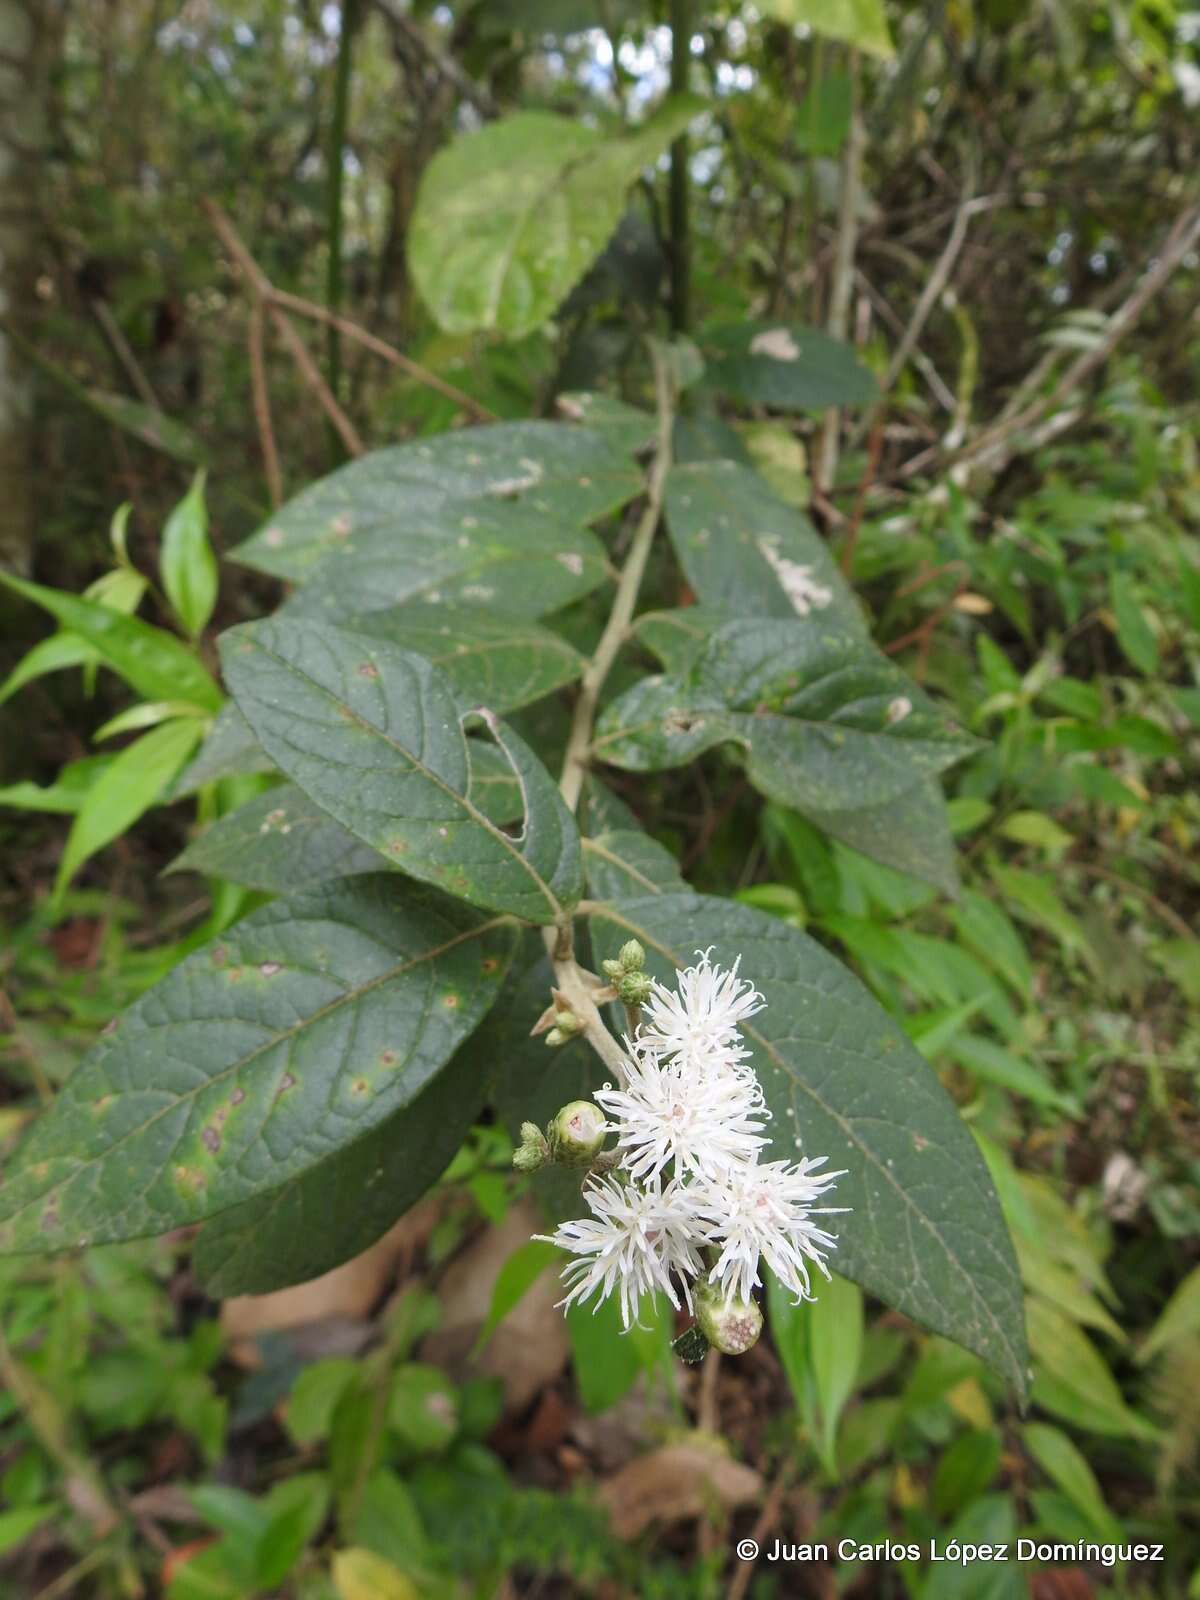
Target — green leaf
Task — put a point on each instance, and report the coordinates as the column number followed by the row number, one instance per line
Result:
column 186, row 561
column 607, row 1360
column 1035, row 899
column 1060, row 1460
column 835, row 1338
column 297, row 1507
column 861, row 23
column 66, row 794
column 823, row 115
column 1178, row 1320
column 491, row 660
column 746, row 553
column 18, row 1524
column 784, row 366
column 509, row 218
column 1133, row 631
column 1072, row 1379
column 276, row 840
column 302, row 1029
column 128, row 786
column 457, row 511
column 339, row 1208
column 827, row 722
column 229, row 751
column 965, row 1470
column 623, row 862
column 629, row 428
column 995, row 1064
column 515, row 1278
column 374, row 735
column 990, row 1521
column 151, row 661
column 50, row 655
column 925, row 1232
column 147, row 423
column 982, row 925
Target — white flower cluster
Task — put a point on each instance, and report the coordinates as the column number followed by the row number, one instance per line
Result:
column 689, row 1197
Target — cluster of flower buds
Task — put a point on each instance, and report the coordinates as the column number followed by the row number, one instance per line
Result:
column 681, row 1203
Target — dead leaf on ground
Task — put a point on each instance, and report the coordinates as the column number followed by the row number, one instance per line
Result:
column 347, row 1294
column 678, row 1482
column 529, row 1348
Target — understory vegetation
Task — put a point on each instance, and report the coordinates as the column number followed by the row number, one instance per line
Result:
column 499, row 486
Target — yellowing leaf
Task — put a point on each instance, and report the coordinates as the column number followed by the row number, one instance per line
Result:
column 362, row 1575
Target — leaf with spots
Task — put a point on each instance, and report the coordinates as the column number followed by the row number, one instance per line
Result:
column 301, row 1030
column 510, row 217
column 783, row 365
column 828, row 725
column 925, row 1231
column 497, row 661
column 341, row 1206
column 410, row 505
column 748, row 554
column 374, row 735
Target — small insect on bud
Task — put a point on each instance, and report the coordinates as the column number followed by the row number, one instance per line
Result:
column 533, row 1152
column 729, row 1324
column 634, row 988
column 576, row 1134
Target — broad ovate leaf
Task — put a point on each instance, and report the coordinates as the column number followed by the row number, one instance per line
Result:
column 299, row 1031
column 925, row 1230
column 374, row 735
column 861, row 23
column 783, row 365
column 414, row 503
column 747, row 553
column 510, row 217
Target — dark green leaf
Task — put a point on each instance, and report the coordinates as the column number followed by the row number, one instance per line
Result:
column 409, row 504
column 629, row 428
column 748, row 554
column 783, row 365
column 624, row 862
column 151, row 661
column 151, row 426
column 1134, row 632
column 492, row 660
column 510, row 217
column 230, row 751
column 303, row 1028
column 374, row 735
column 925, row 1232
column 339, row 1208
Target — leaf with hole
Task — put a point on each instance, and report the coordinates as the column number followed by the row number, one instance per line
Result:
column 925, row 1232
column 374, row 735
column 301, row 1030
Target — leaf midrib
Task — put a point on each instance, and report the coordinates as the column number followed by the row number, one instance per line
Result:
column 461, row 800
column 351, row 995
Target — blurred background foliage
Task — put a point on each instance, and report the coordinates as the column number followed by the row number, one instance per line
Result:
column 1022, row 525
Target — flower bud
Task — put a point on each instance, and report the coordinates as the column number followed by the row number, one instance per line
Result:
column 729, row 1324
column 634, row 988
column 533, row 1152
column 632, row 957
column 577, row 1133
column 566, row 1026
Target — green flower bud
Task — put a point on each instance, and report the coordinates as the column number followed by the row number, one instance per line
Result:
column 632, row 957
column 576, row 1134
column 533, row 1152
column 566, row 1026
column 634, row 988
column 612, row 969
column 729, row 1324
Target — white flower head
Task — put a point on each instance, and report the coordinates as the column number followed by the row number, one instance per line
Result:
column 636, row 1239
column 765, row 1211
column 703, row 1117
column 700, row 1019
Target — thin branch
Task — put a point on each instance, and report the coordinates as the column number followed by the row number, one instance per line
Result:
column 260, row 285
column 379, row 347
column 262, row 403
column 444, row 65
column 994, row 444
column 843, row 269
column 124, row 353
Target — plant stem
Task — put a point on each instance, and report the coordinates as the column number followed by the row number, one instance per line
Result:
column 681, row 36
column 337, row 173
column 616, row 628
column 843, row 270
column 576, row 985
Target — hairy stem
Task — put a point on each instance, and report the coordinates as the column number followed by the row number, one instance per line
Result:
column 576, row 985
